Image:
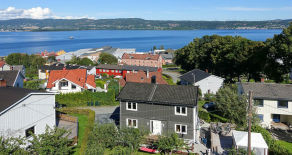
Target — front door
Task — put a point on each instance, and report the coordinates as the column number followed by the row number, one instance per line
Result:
column 155, row 127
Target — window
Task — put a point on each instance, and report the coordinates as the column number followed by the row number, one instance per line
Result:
column 259, row 103
column 73, row 86
column 180, row 110
column 100, row 70
column 282, row 104
column 29, row 131
column 131, row 106
column 182, row 129
column 133, row 123
column 64, row 83
column 261, row 117
column 103, row 70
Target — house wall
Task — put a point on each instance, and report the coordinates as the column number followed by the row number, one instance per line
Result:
column 164, row 113
column 137, row 62
column 92, row 71
column 43, row 75
column 19, row 81
column 65, row 89
column 109, row 72
column 36, row 110
column 212, row 83
column 5, row 67
column 271, row 107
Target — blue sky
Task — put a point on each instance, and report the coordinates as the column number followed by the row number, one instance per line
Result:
column 149, row 9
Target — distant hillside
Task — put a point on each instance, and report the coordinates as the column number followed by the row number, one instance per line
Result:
column 133, row 24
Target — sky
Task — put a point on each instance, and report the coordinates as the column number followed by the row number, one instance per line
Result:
column 224, row 10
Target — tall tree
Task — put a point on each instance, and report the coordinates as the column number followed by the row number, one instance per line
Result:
column 105, row 58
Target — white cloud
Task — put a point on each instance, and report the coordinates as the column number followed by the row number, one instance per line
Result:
column 34, row 13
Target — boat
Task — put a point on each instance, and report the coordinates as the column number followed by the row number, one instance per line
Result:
column 71, row 37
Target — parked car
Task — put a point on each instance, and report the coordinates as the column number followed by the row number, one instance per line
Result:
column 209, row 105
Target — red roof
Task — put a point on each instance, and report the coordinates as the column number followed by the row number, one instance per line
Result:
column 141, row 56
column 2, row 63
column 141, row 77
column 77, row 76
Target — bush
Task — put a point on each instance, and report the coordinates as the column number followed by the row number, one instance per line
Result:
column 217, row 118
column 120, row 150
column 100, row 83
column 95, row 150
column 89, row 126
column 167, row 144
column 105, row 135
column 34, row 84
column 204, row 115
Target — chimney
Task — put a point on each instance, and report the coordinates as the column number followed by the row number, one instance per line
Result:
column 147, row 73
column 3, row 83
column 207, row 71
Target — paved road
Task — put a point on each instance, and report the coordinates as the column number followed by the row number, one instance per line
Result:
column 172, row 74
column 106, row 114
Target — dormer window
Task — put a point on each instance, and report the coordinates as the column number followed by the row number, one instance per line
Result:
column 64, row 83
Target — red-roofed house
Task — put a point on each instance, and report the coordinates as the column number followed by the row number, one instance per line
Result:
column 4, row 66
column 151, row 60
column 142, row 77
column 70, row 81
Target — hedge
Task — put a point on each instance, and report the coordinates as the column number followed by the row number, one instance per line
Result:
column 210, row 117
column 89, row 126
column 83, row 98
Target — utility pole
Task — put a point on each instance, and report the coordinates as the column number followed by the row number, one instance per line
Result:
column 249, row 120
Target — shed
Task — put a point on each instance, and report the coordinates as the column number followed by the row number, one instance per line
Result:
column 258, row 144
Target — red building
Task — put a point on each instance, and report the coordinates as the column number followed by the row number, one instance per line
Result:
column 122, row 70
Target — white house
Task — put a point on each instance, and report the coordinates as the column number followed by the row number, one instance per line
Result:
column 273, row 101
column 258, row 144
column 11, row 78
column 23, row 111
column 4, row 66
column 70, row 81
column 208, row 83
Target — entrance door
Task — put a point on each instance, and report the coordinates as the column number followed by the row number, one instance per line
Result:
column 276, row 118
column 155, row 127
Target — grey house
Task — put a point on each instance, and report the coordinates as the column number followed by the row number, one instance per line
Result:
column 161, row 109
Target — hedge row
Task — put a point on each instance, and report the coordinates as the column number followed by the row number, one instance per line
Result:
column 83, row 98
column 210, row 117
column 89, row 125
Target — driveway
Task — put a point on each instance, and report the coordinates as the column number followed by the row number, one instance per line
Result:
column 106, row 114
column 174, row 75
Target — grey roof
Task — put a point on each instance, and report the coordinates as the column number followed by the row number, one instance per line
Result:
column 9, row 76
column 127, row 67
column 196, row 74
column 159, row 93
column 11, row 95
column 271, row 91
column 18, row 67
column 167, row 56
column 60, row 66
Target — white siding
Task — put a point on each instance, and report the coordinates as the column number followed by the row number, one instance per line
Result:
column 271, row 107
column 212, row 83
column 42, row 75
column 36, row 110
column 65, row 89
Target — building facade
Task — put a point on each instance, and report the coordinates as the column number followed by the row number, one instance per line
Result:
column 160, row 109
column 273, row 101
column 151, row 60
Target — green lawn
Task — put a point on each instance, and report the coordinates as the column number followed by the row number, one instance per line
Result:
column 287, row 145
column 168, row 79
column 82, row 120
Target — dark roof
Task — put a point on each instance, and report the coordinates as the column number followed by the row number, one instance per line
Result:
column 271, row 91
column 10, row 95
column 167, row 56
column 127, row 67
column 159, row 93
column 60, row 66
column 196, row 74
column 9, row 76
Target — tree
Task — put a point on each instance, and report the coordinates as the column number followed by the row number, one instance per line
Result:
column 85, row 62
column 167, row 144
column 52, row 59
column 279, row 59
column 12, row 145
column 105, row 58
column 154, row 48
column 53, row 141
column 232, row 106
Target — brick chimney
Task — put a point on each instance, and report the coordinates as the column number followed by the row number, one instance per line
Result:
column 3, row 83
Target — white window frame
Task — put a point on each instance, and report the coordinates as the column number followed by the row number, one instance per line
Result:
column 127, row 122
column 127, row 107
column 180, row 132
column 180, row 107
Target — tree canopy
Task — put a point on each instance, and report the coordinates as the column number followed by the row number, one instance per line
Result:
column 80, row 61
column 235, row 57
column 105, row 58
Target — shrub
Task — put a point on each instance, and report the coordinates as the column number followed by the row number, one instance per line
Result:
column 217, row 118
column 34, row 84
column 131, row 137
column 204, row 115
column 95, row 150
column 167, row 144
column 100, row 83
column 105, row 135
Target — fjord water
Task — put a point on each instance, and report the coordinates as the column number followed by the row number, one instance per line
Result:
column 142, row 40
